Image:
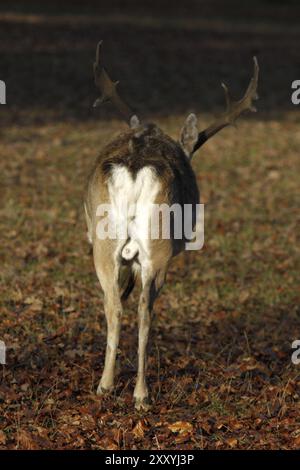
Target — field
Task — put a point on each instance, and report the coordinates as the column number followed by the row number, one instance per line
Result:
column 220, row 367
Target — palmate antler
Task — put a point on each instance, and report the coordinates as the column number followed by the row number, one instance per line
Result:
column 234, row 109
column 109, row 92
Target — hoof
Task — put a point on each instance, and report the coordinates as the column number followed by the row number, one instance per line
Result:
column 142, row 404
column 104, row 391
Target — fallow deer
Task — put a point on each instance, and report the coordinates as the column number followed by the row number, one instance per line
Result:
column 143, row 166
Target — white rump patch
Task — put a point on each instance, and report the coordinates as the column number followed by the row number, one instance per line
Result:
column 131, row 201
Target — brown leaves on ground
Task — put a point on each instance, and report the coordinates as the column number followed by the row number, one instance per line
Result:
column 181, row 427
column 220, row 370
column 140, row 428
column 2, row 438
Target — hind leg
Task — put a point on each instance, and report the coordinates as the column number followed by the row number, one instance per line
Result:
column 107, row 272
column 152, row 283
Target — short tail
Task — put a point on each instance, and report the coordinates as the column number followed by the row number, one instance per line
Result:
column 130, row 250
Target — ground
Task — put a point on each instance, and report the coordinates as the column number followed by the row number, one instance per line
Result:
column 220, row 367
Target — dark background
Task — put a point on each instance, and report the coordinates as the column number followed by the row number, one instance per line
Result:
column 169, row 56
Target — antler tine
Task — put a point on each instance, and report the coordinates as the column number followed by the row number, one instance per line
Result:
column 233, row 109
column 108, row 88
column 98, row 53
column 227, row 96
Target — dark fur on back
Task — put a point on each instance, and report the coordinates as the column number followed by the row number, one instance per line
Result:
column 149, row 146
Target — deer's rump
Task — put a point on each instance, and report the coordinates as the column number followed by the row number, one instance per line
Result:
column 132, row 201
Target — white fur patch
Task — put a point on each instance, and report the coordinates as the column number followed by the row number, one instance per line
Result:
column 131, row 201
column 130, row 250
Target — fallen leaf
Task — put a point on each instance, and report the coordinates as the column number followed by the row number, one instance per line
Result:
column 181, row 427
column 232, row 442
column 297, row 442
column 2, row 438
column 26, row 441
column 139, row 429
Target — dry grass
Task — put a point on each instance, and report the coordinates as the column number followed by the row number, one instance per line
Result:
column 220, row 358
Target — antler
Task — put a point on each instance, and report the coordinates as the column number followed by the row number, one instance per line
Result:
column 108, row 89
column 234, row 109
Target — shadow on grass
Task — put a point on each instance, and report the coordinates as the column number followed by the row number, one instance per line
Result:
column 167, row 62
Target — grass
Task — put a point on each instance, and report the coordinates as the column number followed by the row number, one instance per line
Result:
column 224, row 324
column 220, row 355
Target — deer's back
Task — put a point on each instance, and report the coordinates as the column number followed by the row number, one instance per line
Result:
column 145, row 147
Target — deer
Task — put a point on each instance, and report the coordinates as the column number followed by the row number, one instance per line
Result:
column 145, row 167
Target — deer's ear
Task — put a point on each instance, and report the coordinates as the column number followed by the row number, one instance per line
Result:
column 189, row 134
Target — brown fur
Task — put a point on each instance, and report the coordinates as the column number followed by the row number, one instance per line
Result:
column 144, row 146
